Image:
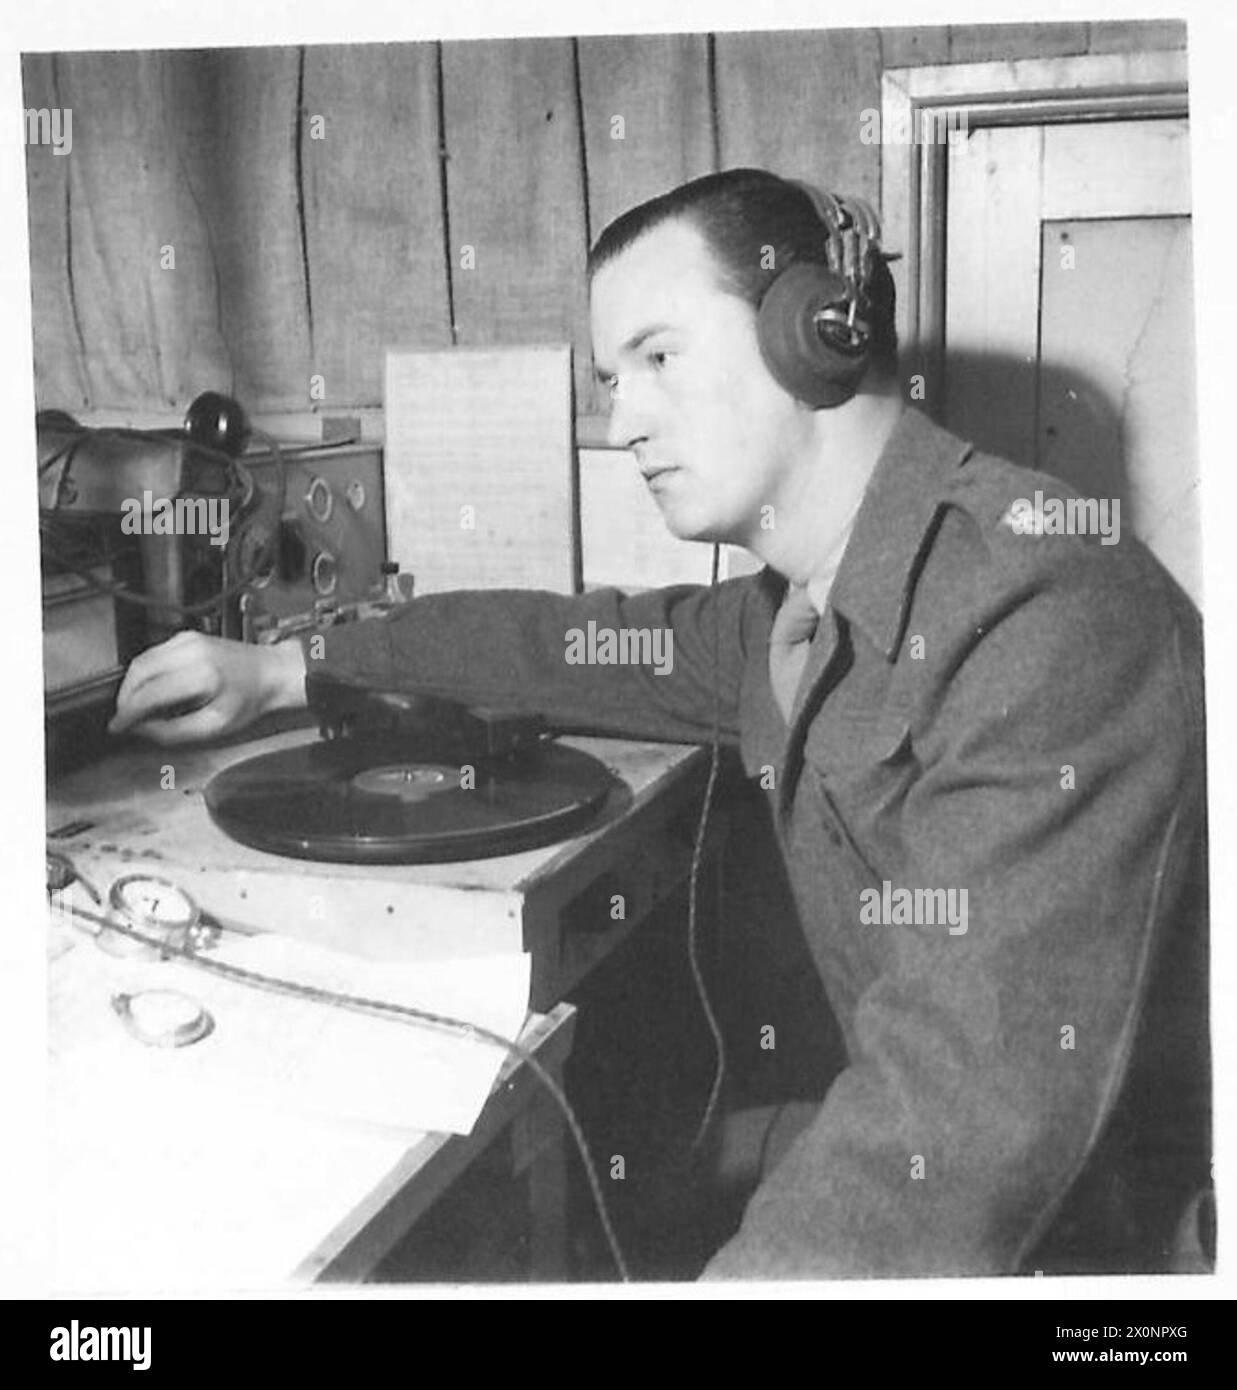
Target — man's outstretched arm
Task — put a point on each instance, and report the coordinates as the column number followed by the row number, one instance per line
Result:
column 664, row 664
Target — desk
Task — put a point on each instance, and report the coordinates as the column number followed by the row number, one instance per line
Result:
column 202, row 1193
column 270, row 1197
column 521, row 1111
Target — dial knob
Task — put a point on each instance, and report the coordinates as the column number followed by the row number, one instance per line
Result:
column 324, row 573
column 320, row 500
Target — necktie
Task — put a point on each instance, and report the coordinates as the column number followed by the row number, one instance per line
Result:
column 793, row 629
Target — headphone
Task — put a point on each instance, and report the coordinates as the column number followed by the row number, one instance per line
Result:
column 814, row 324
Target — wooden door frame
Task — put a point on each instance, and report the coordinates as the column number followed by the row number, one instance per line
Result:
column 923, row 107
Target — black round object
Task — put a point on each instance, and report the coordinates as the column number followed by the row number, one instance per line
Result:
column 217, row 422
column 365, row 801
column 815, row 367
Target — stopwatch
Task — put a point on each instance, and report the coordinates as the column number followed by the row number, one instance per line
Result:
column 157, row 908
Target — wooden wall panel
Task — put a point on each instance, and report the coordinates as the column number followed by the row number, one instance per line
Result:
column 182, row 204
column 979, row 43
column 914, row 47
column 1132, row 36
column 142, row 316
column 59, row 373
column 256, row 222
column 791, row 102
column 659, row 86
column 295, row 256
column 373, row 211
column 983, row 43
column 112, row 256
column 516, row 194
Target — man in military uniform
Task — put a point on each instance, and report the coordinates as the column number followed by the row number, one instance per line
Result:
column 982, row 744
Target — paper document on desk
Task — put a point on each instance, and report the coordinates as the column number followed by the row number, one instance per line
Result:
column 273, row 1050
column 390, row 1071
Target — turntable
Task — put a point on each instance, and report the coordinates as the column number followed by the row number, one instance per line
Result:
column 408, row 779
column 361, row 840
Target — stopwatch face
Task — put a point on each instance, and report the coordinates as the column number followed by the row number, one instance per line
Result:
column 153, row 902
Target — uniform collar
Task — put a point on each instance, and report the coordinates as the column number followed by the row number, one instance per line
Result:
column 873, row 585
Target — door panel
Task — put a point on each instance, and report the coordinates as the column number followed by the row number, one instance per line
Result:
column 1069, row 315
column 1122, row 321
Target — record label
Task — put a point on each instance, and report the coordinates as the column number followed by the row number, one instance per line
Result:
column 408, row 781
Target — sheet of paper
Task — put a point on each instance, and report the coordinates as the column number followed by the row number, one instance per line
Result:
column 478, row 467
column 220, row 1165
column 270, row 1050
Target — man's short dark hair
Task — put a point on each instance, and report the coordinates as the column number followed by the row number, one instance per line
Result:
column 741, row 213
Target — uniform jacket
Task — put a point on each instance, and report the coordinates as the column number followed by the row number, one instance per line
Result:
column 1014, row 715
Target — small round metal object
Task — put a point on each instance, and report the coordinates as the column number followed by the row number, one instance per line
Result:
column 324, row 573
column 355, row 492
column 203, row 935
column 320, row 500
column 163, row 1017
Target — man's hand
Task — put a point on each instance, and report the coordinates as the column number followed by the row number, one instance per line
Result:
column 197, row 687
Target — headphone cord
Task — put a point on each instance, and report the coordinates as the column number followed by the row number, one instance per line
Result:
column 706, row 1005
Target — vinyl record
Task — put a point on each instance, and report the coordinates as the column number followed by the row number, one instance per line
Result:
column 365, row 801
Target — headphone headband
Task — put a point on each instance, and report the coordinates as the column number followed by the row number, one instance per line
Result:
column 852, row 233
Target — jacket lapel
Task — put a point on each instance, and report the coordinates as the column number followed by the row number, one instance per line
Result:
column 875, row 581
column 826, row 663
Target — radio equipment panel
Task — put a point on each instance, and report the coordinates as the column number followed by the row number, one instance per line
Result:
column 331, row 544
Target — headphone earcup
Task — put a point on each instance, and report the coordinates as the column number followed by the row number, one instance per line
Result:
column 814, row 370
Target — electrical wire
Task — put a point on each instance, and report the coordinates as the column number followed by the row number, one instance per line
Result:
column 123, row 593
column 81, row 433
column 383, row 1009
column 278, row 459
column 719, row 1042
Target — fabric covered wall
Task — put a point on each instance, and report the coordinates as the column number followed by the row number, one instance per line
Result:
column 266, row 220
